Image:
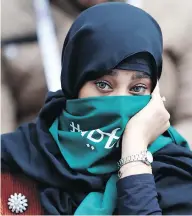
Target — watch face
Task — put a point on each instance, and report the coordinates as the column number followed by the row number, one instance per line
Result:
column 149, row 157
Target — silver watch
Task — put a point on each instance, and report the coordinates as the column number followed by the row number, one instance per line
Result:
column 144, row 156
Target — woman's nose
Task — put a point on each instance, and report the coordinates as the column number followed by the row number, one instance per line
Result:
column 120, row 92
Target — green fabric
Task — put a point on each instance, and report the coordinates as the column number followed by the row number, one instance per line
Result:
column 88, row 130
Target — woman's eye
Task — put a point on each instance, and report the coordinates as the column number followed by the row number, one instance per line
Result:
column 103, row 85
column 138, row 89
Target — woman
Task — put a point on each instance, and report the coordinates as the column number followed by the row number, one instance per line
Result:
column 109, row 110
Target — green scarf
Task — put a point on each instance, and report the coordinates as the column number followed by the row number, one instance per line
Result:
column 89, row 130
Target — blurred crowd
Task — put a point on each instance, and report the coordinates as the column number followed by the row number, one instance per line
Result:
column 23, row 80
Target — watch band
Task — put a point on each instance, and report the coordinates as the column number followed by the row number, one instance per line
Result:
column 142, row 156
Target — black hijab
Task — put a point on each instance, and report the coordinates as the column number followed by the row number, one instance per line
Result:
column 100, row 38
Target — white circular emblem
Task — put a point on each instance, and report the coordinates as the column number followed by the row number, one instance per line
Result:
column 17, row 203
column 149, row 157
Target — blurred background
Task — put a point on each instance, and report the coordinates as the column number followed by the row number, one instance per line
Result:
column 32, row 35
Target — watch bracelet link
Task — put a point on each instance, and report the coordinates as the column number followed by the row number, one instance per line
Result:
column 132, row 158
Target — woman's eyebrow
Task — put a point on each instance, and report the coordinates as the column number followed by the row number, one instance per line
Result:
column 140, row 75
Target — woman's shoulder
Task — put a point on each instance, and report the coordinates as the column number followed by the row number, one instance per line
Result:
column 173, row 160
column 176, row 155
column 33, row 133
column 19, row 191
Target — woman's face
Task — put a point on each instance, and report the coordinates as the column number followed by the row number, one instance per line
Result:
column 118, row 83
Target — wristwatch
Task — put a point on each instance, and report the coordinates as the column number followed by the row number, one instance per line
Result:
column 144, row 156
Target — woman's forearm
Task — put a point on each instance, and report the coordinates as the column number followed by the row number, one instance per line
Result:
column 135, row 168
column 137, row 195
column 136, row 188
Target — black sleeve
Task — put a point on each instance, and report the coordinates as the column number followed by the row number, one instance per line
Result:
column 172, row 169
column 168, row 191
column 137, row 195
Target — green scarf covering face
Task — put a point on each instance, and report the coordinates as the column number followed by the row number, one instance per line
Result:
column 88, row 133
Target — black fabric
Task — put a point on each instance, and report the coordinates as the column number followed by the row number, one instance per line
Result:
column 168, row 191
column 137, row 195
column 172, row 169
column 139, row 62
column 102, row 37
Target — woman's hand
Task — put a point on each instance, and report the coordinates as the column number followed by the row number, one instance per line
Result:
column 145, row 126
